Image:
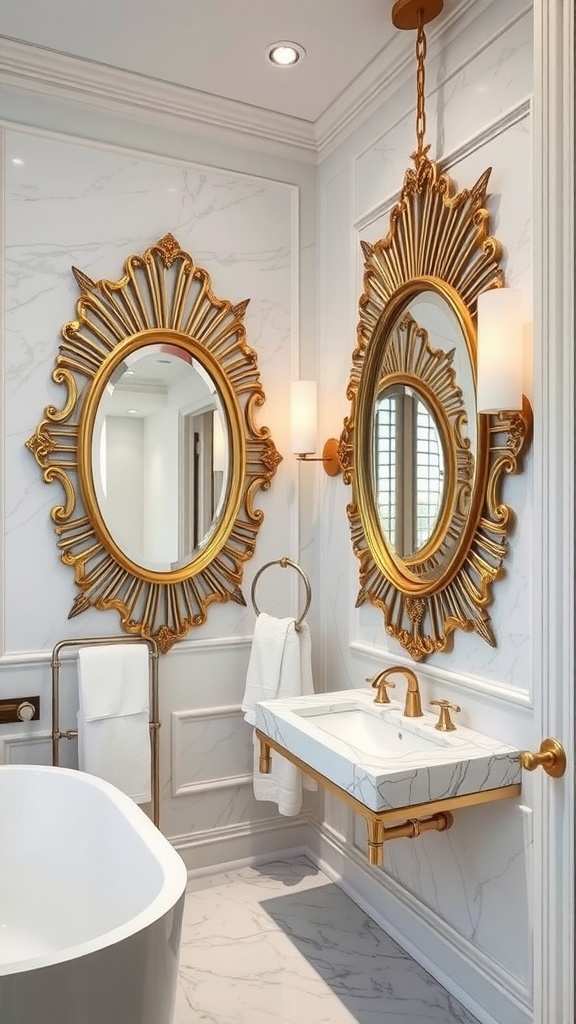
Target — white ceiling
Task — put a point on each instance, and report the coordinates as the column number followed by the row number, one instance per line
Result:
column 217, row 47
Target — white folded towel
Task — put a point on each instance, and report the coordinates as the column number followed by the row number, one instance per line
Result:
column 280, row 666
column 114, row 716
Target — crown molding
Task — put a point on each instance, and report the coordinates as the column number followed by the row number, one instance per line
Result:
column 153, row 101
column 150, row 100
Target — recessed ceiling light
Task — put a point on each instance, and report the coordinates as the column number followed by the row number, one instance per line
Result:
column 285, row 54
column 132, row 412
column 17, row 161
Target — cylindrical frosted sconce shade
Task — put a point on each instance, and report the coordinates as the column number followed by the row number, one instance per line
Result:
column 499, row 350
column 304, row 417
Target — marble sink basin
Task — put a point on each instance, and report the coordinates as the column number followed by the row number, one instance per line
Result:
column 371, row 732
column 382, row 758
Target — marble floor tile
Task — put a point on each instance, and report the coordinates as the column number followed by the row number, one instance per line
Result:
column 281, row 944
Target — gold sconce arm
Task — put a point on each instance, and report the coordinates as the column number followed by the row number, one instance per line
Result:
column 551, row 757
column 330, row 457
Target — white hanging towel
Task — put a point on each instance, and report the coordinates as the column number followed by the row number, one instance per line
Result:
column 280, row 666
column 114, row 716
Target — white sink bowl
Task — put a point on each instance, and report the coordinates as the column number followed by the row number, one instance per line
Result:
column 382, row 758
column 369, row 730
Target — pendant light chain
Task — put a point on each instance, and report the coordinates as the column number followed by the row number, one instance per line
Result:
column 420, row 57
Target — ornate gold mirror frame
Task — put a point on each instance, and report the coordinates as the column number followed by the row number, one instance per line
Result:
column 162, row 297
column 438, row 241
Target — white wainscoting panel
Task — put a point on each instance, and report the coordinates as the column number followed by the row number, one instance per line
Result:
column 210, row 750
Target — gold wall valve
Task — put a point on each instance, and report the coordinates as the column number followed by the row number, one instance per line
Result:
column 551, row 757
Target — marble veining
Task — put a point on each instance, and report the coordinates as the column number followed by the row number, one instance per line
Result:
column 449, row 764
column 74, row 202
column 281, row 944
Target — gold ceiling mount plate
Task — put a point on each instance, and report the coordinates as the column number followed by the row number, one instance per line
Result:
column 410, row 14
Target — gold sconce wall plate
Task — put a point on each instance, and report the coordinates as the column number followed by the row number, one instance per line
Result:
column 161, row 317
column 429, row 269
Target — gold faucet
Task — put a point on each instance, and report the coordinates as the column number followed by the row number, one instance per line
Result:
column 381, row 684
column 413, row 705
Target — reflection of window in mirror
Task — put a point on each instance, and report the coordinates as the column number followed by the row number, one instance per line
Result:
column 409, row 470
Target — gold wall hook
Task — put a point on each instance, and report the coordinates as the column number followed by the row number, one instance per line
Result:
column 551, row 757
column 330, row 457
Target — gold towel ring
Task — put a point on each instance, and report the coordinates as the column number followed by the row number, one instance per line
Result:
column 284, row 562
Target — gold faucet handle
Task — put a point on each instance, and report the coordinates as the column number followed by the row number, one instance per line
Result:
column 381, row 686
column 445, row 723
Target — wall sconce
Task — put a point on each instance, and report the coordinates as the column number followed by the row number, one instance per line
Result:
column 499, row 351
column 304, row 428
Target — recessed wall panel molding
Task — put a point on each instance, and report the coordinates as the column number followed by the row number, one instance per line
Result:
column 230, row 807
column 92, row 205
column 26, row 749
column 211, row 749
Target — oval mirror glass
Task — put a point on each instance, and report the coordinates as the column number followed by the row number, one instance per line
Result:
column 423, row 408
column 160, row 456
column 409, row 469
column 445, row 333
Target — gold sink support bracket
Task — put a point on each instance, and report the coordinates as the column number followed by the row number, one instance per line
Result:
column 265, row 759
column 411, row 821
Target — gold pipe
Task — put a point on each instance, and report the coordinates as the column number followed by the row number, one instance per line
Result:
column 155, row 724
column 378, row 834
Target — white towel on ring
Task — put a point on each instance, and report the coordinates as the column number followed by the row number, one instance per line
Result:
column 114, row 716
column 280, row 666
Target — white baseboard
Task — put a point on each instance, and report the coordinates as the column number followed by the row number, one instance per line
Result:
column 481, row 984
column 215, row 851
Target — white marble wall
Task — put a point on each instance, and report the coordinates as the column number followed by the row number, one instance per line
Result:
column 472, row 884
column 77, row 202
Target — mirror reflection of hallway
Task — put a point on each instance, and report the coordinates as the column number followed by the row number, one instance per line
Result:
column 202, row 467
column 158, row 429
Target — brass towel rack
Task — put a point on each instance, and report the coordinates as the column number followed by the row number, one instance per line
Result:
column 284, row 562
column 70, row 734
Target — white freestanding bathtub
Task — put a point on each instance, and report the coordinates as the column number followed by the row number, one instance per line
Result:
column 91, row 902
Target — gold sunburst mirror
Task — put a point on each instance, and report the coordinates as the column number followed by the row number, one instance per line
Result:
column 427, row 521
column 156, row 445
